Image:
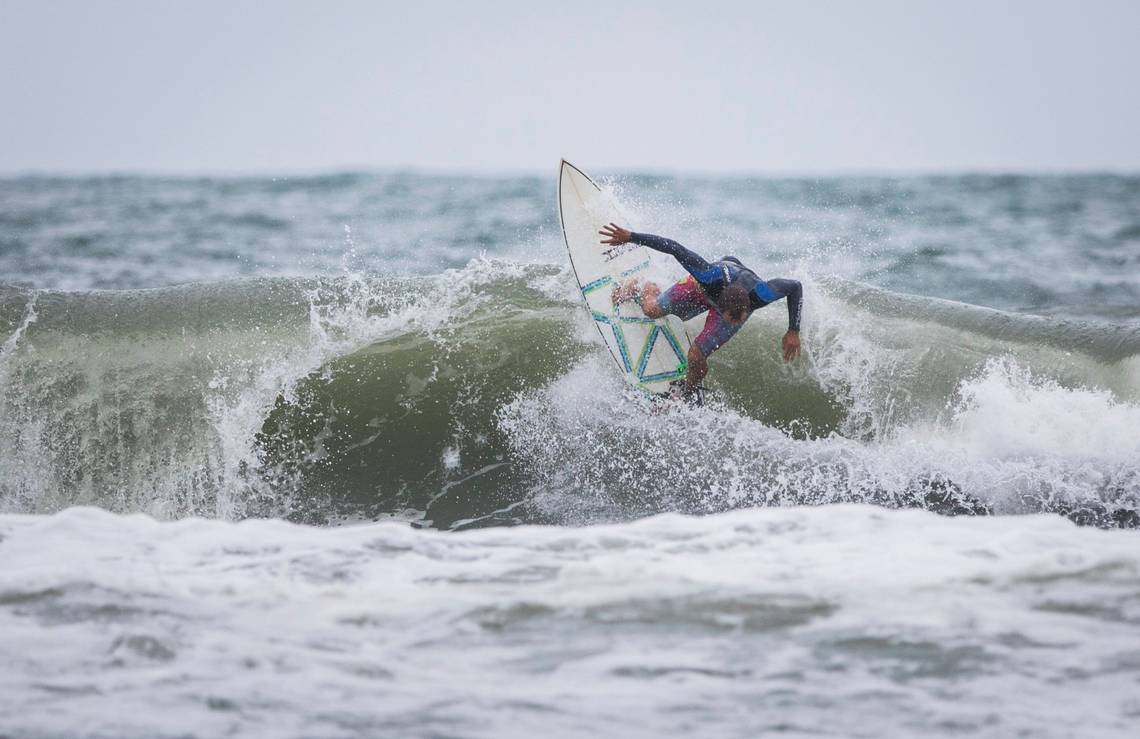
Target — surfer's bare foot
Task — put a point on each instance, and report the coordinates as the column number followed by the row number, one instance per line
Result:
column 627, row 291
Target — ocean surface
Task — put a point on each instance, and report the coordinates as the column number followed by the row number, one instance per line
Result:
column 343, row 455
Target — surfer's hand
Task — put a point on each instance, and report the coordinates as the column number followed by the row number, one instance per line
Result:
column 791, row 345
column 616, row 235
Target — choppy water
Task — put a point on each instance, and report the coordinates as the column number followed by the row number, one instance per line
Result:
column 356, row 348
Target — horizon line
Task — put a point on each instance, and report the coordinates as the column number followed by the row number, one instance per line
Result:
column 528, row 172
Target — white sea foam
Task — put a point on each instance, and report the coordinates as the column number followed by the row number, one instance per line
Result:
column 1005, row 441
column 736, row 623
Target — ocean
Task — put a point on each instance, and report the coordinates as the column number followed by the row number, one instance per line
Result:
column 343, row 455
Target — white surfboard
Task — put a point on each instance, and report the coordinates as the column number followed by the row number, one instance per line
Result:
column 649, row 353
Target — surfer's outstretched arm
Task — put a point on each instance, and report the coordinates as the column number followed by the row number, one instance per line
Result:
column 794, row 292
column 694, row 263
column 769, row 291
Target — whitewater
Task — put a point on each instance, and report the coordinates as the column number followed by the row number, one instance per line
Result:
column 343, row 456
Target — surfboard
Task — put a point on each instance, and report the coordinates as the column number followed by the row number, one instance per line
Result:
column 649, row 353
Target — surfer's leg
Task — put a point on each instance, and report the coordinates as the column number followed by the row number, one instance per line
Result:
column 646, row 293
column 684, row 300
column 650, row 306
column 715, row 333
column 698, row 367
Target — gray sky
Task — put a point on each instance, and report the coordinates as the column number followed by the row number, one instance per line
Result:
column 501, row 86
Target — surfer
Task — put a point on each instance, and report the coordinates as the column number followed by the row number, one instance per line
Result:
column 727, row 289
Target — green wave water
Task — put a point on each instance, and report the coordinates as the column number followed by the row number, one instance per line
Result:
column 481, row 396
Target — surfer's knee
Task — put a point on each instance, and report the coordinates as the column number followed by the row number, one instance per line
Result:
column 649, row 305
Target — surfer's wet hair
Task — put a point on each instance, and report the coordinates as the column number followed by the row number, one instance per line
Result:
column 733, row 302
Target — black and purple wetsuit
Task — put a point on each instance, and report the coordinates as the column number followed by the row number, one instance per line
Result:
column 701, row 290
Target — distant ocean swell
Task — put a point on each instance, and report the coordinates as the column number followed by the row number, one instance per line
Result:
column 481, row 395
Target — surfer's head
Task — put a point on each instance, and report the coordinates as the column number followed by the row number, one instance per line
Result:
column 734, row 304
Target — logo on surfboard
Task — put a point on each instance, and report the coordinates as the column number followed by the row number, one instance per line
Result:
column 616, row 251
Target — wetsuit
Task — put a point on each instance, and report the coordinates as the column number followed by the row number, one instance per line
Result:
column 701, row 290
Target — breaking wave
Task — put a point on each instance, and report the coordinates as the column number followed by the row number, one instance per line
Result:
column 481, row 395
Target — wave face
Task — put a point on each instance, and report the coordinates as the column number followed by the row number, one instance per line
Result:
column 481, row 395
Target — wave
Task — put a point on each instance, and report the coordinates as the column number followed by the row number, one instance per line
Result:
column 903, row 619
column 481, row 395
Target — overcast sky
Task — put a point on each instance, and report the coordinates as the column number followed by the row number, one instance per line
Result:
column 240, row 86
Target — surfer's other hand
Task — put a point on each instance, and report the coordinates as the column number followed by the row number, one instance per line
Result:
column 791, row 345
column 615, row 235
